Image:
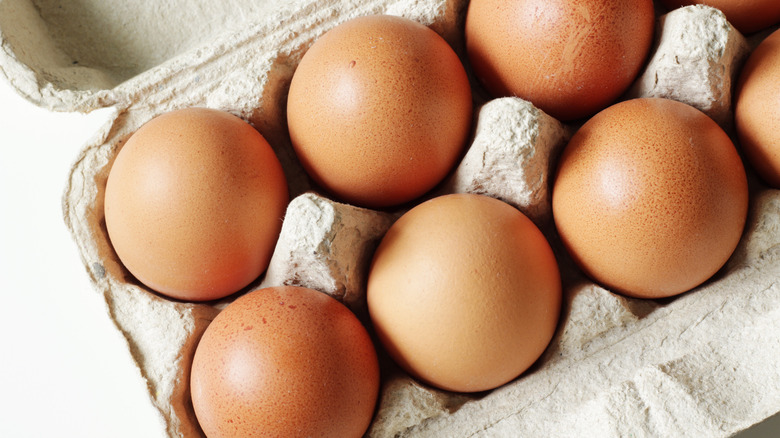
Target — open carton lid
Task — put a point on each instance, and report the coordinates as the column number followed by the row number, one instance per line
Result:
column 79, row 56
column 704, row 363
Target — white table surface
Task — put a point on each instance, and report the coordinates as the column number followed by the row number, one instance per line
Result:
column 65, row 370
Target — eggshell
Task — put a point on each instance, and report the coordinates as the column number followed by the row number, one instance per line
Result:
column 194, row 204
column 757, row 109
column 650, row 198
column 285, row 361
column 570, row 58
column 379, row 110
column 746, row 15
column 464, row 292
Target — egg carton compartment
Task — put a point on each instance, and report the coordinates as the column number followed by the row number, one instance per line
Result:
column 704, row 363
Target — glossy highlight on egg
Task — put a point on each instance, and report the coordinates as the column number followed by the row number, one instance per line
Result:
column 285, row 361
column 379, row 110
column 194, row 204
column 650, row 198
column 570, row 58
column 464, row 292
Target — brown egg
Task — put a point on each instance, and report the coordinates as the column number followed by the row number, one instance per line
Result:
column 464, row 292
column 285, row 361
column 570, row 58
column 379, row 110
column 746, row 15
column 757, row 109
column 194, row 204
column 650, row 198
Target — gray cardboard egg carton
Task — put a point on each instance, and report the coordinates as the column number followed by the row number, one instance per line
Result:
column 706, row 363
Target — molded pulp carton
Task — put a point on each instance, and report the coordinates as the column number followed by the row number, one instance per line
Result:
column 706, row 363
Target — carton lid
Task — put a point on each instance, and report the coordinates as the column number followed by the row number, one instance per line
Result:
column 79, row 56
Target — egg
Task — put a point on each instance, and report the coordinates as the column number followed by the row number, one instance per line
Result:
column 650, row 197
column 194, row 204
column 464, row 292
column 757, row 109
column 570, row 58
column 379, row 110
column 747, row 16
column 285, row 361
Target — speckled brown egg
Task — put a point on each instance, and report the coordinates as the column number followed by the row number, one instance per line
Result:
column 570, row 58
column 194, row 204
column 285, row 361
column 379, row 110
column 757, row 109
column 747, row 16
column 650, row 197
column 464, row 292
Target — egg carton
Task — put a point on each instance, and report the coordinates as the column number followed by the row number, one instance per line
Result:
column 705, row 363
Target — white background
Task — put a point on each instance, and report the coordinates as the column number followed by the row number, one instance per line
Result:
column 65, row 370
